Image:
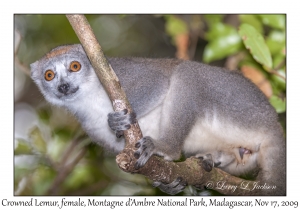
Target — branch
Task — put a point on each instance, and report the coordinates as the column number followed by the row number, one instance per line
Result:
column 106, row 75
column 65, row 169
column 279, row 66
column 156, row 168
column 64, row 172
column 18, row 63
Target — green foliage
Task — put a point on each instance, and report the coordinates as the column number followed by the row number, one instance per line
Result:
column 274, row 21
column 223, row 41
column 44, row 115
column 49, row 152
column 175, row 26
column 263, row 36
column 37, row 140
column 213, row 19
column 255, row 43
column 42, row 179
column 252, row 20
column 80, row 176
column 279, row 105
column 276, row 42
column 22, row 147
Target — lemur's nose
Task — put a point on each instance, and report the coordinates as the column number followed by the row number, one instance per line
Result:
column 63, row 88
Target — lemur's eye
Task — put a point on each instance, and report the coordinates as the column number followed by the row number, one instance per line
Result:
column 75, row 66
column 49, row 75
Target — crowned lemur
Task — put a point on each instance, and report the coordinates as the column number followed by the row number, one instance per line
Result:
column 181, row 106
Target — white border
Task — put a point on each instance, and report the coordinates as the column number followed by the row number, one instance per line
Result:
column 291, row 8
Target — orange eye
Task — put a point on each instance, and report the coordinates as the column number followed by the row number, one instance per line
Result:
column 49, row 75
column 75, row 66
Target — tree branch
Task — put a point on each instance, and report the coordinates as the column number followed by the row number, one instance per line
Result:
column 156, row 168
column 66, row 169
column 106, row 75
column 18, row 63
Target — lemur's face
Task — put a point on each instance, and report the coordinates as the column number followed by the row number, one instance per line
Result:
column 63, row 74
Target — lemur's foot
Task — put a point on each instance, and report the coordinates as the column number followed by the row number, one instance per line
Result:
column 172, row 188
column 207, row 162
column 145, row 150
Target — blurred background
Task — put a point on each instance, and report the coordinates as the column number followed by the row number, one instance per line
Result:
column 53, row 157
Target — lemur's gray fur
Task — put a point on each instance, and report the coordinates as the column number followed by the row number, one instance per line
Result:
column 182, row 107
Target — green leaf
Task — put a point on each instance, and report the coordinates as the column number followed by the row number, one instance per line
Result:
column 37, row 140
column 255, row 43
column 56, row 147
column 220, row 30
column 23, row 148
column 252, row 20
column 212, row 19
column 278, row 104
column 278, row 84
column 20, row 172
column 175, row 26
column 276, row 41
column 224, row 41
column 44, row 115
column 63, row 134
column 278, row 59
column 42, row 178
column 80, row 175
column 276, row 21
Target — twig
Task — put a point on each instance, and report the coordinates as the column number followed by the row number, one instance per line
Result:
column 233, row 60
column 90, row 189
column 193, row 44
column 21, row 66
column 279, row 66
column 64, row 172
column 70, row 149
column 277, row 74
column 18, row 63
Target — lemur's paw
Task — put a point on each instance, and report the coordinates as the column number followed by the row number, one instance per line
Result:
column 119, row 134
column 207, row 162
column 173, row 188
column 145, row 149
column 120, row 121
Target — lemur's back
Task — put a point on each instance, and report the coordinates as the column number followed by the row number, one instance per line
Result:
column 227, row 92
